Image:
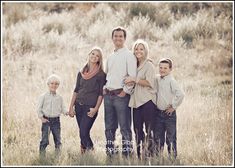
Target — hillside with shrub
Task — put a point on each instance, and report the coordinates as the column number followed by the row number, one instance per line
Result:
column 39, row 39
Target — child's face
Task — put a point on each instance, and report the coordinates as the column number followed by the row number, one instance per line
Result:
column 53, row 86
column 164, row 69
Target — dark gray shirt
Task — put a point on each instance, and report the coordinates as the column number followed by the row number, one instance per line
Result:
column 89, row 90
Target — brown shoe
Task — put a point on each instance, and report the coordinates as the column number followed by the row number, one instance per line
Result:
column 83, row 149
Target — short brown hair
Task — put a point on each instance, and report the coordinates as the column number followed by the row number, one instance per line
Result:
column 119, row 28
column 167, row 60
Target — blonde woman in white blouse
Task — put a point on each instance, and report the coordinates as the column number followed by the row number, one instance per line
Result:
column 143, row 100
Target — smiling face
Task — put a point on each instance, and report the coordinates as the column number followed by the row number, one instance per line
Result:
column 94, row 57
column 118, row 39
column 53, row 85
column 164, row 69
column 140, row 52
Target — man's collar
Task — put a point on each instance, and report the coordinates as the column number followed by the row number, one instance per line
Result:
column 119, row 49
column 165, row 77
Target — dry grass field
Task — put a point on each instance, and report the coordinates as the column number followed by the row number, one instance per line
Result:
column 39, row 39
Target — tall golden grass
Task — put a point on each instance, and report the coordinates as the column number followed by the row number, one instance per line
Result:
column 44, row 38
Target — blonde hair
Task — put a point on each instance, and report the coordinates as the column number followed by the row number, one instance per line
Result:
column 119, row 28
column 144, row 43
column 146, row 47
column 53, row 78
column 100, row 62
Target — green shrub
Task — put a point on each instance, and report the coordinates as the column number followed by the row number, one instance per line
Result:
column 203, row 25
column 182, row 9
column 54, row 26
column 184, row 29
column 142, row 27
column 163, row 16
column 16, row 12
column 143, row 9
column 26, row 43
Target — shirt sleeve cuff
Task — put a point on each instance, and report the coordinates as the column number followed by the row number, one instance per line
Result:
column 40, row 115
column 174, row 106
column 64, row 112
column 128, row 90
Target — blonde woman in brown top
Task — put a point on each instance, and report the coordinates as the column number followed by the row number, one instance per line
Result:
column 143, row 99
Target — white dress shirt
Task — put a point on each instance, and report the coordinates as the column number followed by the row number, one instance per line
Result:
column 50, row 105
column 120, row 64
column 168, row 93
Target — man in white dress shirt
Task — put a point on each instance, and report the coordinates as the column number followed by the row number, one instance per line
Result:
column 120, row 63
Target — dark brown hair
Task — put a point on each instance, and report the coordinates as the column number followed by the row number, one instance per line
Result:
column 119, row 28
column 166, row 60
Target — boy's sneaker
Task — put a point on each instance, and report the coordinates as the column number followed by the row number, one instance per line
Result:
column 42, row 155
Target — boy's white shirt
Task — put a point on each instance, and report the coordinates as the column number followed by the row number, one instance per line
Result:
column 168, row 92
column 50, row 105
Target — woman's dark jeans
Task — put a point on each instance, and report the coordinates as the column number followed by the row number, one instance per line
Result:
column 144, row 116
column 85, row 123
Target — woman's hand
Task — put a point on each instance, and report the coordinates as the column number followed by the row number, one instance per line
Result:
column 129, row 80
column 71, row 112
column 92, row 112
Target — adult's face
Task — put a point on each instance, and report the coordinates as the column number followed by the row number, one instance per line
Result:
column 118, row 39
column 140, row 52
column 94, row 56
